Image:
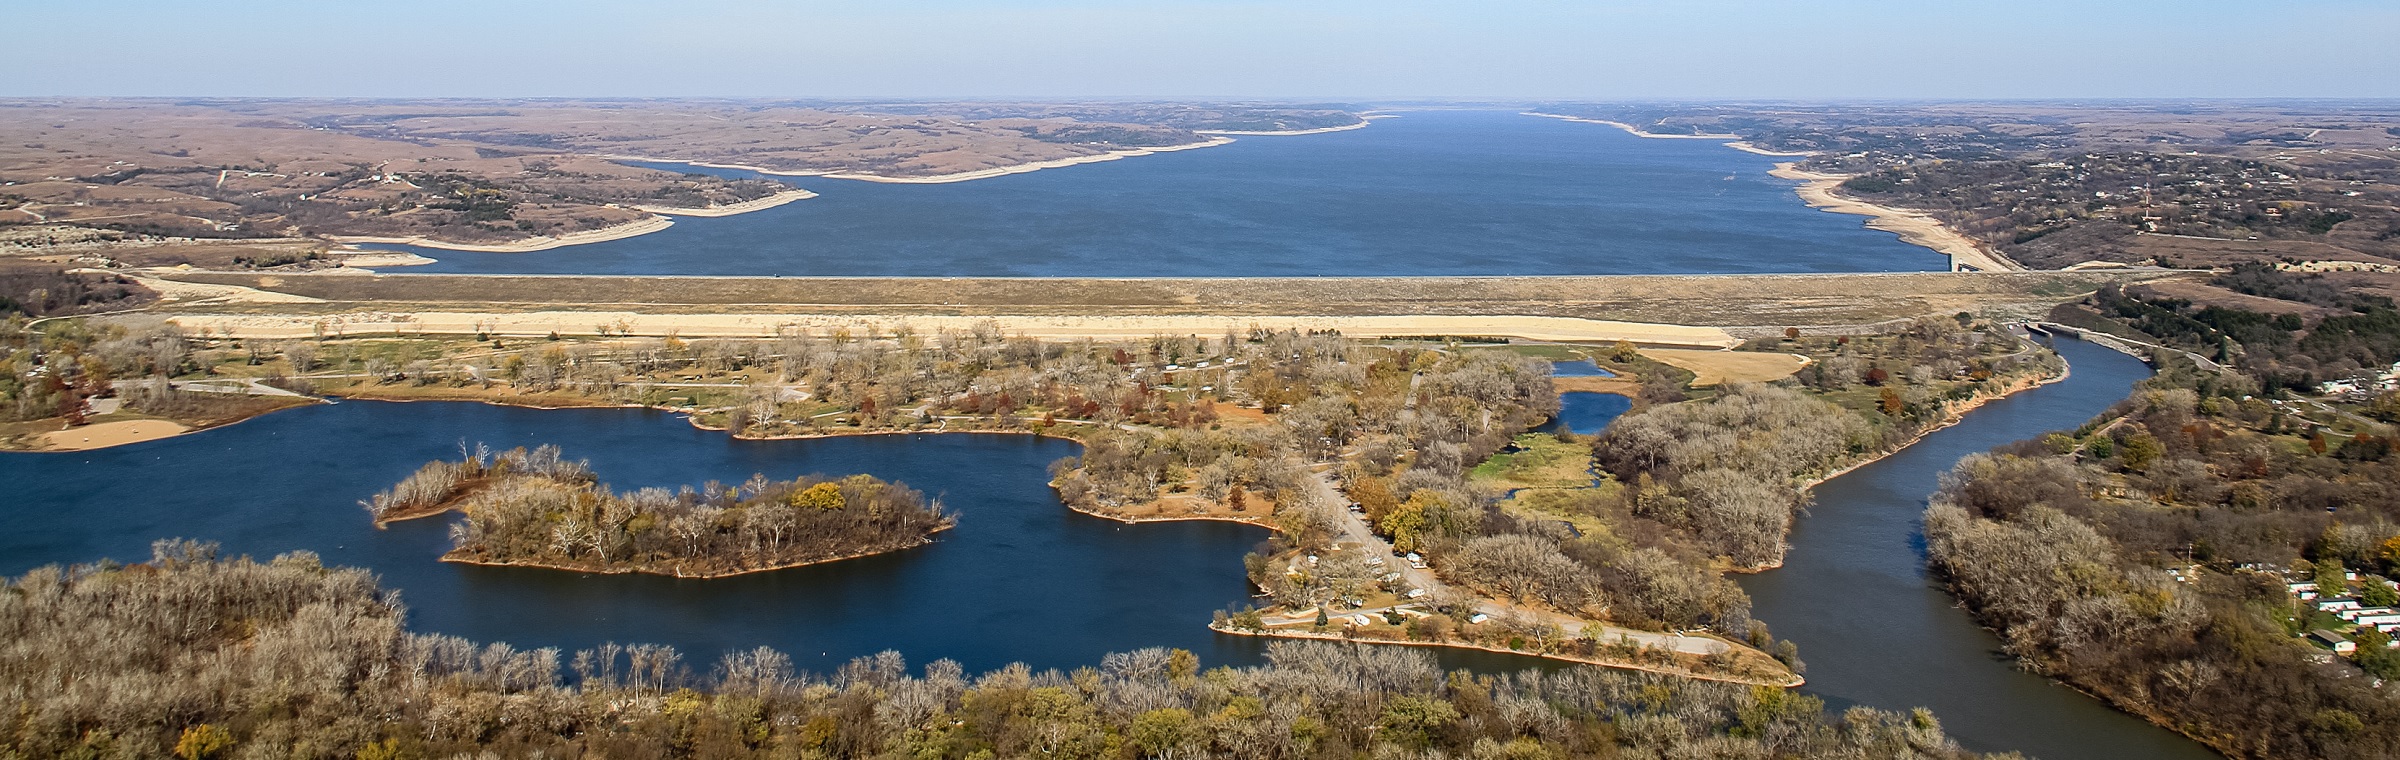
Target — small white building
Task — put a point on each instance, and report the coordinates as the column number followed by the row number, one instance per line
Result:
column 2337, row 604
column 1478, row 618
column 2305, row 591
column 2334, row 641
column 2378, row 617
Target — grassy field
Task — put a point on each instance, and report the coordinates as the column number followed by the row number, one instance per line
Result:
column 1716, row 367
column 1540, row 461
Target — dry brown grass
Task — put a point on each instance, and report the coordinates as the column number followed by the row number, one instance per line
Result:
column 1716, row 367
column 1747, row 305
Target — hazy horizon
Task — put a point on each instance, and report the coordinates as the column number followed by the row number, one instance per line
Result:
column 1348, row 50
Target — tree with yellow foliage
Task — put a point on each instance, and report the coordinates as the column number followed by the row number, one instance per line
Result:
column 820, row 496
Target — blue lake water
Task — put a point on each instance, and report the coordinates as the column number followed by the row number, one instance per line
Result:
column 1584, row 413
column 1579, row 368
column 1427, row 193
column 1021, row 579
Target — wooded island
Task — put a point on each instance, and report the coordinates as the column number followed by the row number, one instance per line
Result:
column 536, row 508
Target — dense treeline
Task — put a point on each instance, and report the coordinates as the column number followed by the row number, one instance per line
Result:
column 2143, row 558
column 1692, row 489
column 1727, row 470
column 203, row 657
column 535, row 508
column 1328, row 397
column 2346, row 333
column 51, row 292
column 57, row 370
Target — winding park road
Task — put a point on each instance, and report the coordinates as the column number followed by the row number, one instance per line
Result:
column 1354, row 530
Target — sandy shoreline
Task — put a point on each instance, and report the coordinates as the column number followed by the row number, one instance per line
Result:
column 579, row 323
column 365, row 258
column 731, row 209
column 1912, row 227
column 660, row 220
column 106, row 434
column 937, row 179
column 1003, row 171
column 1630, row 129
column 1362, row 124
column 527, row 245
column 1746, row 146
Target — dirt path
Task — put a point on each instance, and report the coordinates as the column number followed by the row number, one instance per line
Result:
column 1354, row 530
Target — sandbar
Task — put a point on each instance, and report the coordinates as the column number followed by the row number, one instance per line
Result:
column 1746, row 146
column 527, row 245
column 381, row 259
column 1635, row 131
column 105, row 434
column 1362, row 124
column 937, row 179
column 731, row 209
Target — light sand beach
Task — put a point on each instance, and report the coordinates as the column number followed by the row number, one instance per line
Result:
column 543, row 323
column 1746, row 147
column 1362, row 124
column 106, row 434
column 731, row 209
column 380, row 259
column 1631, row 129
column 528, row 245
column 937, row 179
column 1032, row 167
column 177, row 290
column 1911, row 226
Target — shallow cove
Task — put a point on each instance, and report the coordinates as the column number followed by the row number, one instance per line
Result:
column 1021, row 579
column 1876, row 630
column 1428, row 193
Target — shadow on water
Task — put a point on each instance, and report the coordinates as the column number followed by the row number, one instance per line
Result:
column 1876, row 630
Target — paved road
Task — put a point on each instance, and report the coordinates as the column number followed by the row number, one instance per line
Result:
column 234, row 385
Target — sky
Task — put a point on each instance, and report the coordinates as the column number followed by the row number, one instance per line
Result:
column 1341, row 49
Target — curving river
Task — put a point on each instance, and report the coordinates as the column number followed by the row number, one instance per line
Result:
column 1022, row 579
column 1876, row 630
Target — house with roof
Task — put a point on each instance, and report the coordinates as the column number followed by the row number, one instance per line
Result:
column 2333, row 641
